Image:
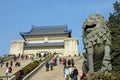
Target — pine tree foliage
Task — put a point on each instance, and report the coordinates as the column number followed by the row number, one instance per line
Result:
column 114, row 24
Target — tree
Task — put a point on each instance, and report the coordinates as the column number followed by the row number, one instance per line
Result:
column 115, row 16
column 114, row 24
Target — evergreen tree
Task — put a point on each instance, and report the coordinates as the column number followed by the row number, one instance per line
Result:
column 114, row 24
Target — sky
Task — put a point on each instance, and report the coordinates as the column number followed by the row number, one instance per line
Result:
column 19, row 15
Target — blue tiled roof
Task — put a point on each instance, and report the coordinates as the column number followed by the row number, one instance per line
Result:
column 44, row 44
column 45, row 30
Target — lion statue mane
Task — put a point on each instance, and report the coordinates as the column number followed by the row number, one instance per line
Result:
column 97, row 42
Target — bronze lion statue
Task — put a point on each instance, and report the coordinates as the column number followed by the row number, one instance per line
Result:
column 97, row 42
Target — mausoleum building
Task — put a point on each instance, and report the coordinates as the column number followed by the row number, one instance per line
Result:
column 52, row 39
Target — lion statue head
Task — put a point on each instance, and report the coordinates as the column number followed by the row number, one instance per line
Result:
column 95, row 31
column 94, row 22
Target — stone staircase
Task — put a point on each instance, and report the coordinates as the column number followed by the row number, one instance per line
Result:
column 57, row 72
column 41, row 74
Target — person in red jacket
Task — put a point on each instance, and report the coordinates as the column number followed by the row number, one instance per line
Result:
column 82, row 76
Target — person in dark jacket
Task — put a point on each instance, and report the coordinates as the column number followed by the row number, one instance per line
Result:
column 60, row 60
column 20, row 74
column 51, row 64
column 75, row 73
column 7, row 64
column 69, row 62
column 55, row 61
column 47, row 66
column 11, row 63
column 72, row 62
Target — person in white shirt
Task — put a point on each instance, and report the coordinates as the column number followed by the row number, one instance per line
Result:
column 67, row 73
column 7, row 71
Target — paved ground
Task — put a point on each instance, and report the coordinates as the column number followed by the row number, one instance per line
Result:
column 57, row 72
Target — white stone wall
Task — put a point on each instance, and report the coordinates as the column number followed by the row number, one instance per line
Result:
column 42, row 39
column 16, row 47
column 71, row 47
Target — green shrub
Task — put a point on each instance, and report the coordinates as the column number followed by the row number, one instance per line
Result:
column 30, row 67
